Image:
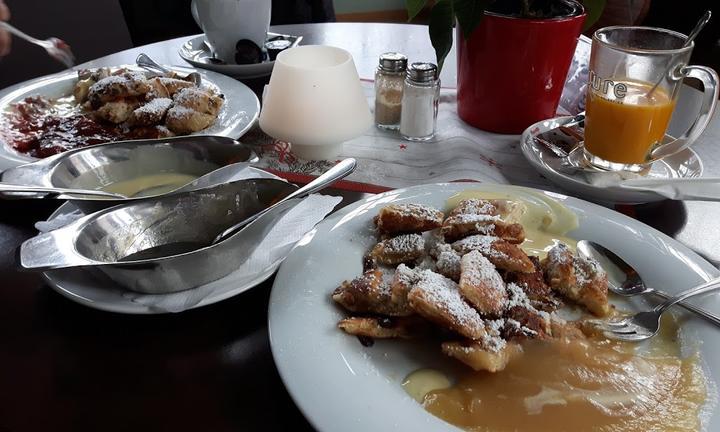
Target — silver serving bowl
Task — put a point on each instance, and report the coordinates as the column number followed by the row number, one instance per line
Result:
column 159, row 246
column 100, row 166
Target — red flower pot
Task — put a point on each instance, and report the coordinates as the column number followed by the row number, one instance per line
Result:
column 511, row 71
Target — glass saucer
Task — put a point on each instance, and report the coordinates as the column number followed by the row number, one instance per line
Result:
column 574, row 175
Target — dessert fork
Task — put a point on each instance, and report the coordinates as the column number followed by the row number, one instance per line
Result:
column 56, row 48
column 644, row 325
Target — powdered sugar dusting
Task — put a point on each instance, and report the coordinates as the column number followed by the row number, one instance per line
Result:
column 518, row 326
column 405, row 243
column 155, row 107
column 448, row 261
column 481, row 223
column 189, row 96
column 585, row 269
column 131, row 82
column 182, row 111
column 417, row 210
column 481, row 243
column 517, row 297
column 405, row 275
column 477, row 270
column 492, row 341
column 444, row 293
column 476, row 206
column 560, row 254
column 467, row 218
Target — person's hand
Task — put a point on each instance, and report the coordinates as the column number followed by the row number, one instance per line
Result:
column 5, row 38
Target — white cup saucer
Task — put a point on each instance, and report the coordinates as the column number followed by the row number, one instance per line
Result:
column 196, row 51
column 595, row 185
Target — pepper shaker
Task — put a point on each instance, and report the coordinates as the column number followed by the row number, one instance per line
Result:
column 421, row 93
column 389, row 81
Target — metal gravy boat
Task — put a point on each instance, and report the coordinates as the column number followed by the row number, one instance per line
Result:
column 99, row 166
column 121, row 241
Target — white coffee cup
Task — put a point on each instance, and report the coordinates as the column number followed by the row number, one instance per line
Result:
column 225, row 22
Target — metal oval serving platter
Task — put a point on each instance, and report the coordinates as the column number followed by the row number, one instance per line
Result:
column 180, row 160
column 160, row 246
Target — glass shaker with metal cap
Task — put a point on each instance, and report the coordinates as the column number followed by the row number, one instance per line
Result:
column 389, row 78
column 420, row 102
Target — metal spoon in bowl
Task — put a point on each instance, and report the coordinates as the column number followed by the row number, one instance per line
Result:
column 341, row 170
column 8, row 187
column 633, row 284
column 144, row 61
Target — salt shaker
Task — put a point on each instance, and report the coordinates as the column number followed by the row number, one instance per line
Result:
column 421, row 92
column 389, row 78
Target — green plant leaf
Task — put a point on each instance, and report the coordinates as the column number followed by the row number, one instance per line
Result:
column 441, row 29
column 594, row 9
column 469, row 13
column 414, row 7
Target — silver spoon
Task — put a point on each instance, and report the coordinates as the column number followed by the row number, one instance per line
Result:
column 145, row 62
column 56, row 48
column 7, row 187
column 633, row 284
column 693, row 34
column 341, row 170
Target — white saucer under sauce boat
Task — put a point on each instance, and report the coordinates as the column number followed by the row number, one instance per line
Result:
column 593, row 184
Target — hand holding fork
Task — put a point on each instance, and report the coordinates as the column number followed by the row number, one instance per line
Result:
column 55, row 47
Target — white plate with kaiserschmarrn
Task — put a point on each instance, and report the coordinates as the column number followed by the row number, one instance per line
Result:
column 392, row 316
column 47, row 115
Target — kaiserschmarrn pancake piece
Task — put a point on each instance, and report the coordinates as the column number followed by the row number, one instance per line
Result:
column 402, row 282
column 114, row 87
column 438, row 299
column 540, row 295
column 577, row 278
column 447, row 261
column 183, row 120
column 503, row 255
column 151, row 113
column 385, row 327
column 401, row 249
column 404, row 218
column 462, row 225
column 486, row 217
column 194, row 109
column 158, row 89
column 173, row 85
column 475, row 355
column 481, row 284
column 116, row 112
column 199, row 100
column 369, row 294
column 476, row 206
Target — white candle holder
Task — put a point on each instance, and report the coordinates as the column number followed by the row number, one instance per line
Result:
column 315, row 101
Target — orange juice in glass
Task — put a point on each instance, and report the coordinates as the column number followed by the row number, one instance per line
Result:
column 627, row 114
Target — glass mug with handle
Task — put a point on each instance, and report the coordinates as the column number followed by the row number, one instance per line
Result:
column 635, row 78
